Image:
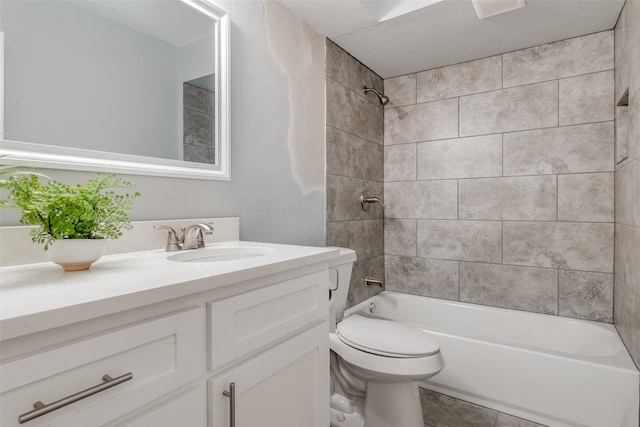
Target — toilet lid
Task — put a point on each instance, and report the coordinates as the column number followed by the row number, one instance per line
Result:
column 386, row 337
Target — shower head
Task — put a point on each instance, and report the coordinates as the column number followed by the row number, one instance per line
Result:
column 384, row 100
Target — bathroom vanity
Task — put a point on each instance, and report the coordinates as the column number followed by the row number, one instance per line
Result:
column 140, row 340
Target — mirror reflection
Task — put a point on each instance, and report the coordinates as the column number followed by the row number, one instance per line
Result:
column 130, row 76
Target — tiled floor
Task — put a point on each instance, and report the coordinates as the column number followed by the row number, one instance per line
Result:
column 444, row 411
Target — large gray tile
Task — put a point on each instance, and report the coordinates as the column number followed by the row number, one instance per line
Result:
column 481, row 75
column 634, row 45
column 567, row 245
column 421, row 122
column 366, row 238
column 513, row 198
column 627, row 45
column 440, row 410
column 400, row 90
column 586, row 197
column 352, row 113
column 343, row 198
column 365, row 159
column 622, row 133
column 586, row 295
column 400, row 162
column 628, row 193
column 520, row 108
column 400, row 237
column 198, row 128
column 634, row 123
column 421, row 199
column 338, row 234
column 621, row 35
column 566, row 58
column 422, row 276
column 570, row 149
column 587, row 98
column 337, row 63
column 627, row 264
column 479, row 156
column 520, row 288
column 622, row 75
column 199, row 154
column 461, row 240
column 506, row 420
column 627, row 318
column 198, row 99
column 337, row 152
column 358, row 291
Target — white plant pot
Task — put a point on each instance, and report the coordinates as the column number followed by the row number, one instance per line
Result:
column 76, row 254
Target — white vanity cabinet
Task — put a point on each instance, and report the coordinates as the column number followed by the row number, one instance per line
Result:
column 164, row 358
column 270, row 356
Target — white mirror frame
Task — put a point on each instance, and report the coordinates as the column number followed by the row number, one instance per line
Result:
column 53, row 157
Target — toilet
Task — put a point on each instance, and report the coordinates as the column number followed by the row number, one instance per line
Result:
column 375, row 363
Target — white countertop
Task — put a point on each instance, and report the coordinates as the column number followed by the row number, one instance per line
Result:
column 37, row 297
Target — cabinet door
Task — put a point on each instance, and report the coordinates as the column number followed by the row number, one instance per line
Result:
column 285, row 386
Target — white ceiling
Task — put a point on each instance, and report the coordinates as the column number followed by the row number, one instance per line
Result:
column 396, row 37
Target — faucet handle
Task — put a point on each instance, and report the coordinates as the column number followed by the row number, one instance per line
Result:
column 173, row 241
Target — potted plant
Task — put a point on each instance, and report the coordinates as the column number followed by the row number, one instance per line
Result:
column 73, row 221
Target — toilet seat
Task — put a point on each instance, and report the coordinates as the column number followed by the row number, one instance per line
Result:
column 386, row 337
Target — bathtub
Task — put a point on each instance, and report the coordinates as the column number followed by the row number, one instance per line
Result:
column 552, row 370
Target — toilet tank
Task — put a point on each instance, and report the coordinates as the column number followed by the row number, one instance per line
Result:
column 340, row 276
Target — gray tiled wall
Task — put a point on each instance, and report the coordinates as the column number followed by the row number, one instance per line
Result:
column 354, row 163
column 198, row 124
column 499, row 180
column 627, row 180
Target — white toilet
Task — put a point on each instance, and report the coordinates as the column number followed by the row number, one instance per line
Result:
column 375, row 363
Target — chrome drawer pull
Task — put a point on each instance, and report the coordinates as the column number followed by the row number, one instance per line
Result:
column 231, row 394
column 41, row 408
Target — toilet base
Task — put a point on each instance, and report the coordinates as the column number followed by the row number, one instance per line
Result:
column 393, row 405
column 341, row 419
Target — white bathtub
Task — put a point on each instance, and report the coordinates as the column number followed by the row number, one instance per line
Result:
column 553, row 370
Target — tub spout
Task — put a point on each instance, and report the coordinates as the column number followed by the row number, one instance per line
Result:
column 370, row 281
column 366, row 199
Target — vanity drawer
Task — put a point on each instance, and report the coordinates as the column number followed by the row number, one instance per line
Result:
column 248, row 322
column 161, row 355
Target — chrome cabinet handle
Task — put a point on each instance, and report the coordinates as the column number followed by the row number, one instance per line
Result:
column 42, row 409
column 231, row 394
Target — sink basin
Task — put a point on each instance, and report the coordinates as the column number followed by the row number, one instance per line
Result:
column 220, row 254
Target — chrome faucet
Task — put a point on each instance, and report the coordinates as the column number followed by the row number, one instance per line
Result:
column 191, row 236
column 366, row 199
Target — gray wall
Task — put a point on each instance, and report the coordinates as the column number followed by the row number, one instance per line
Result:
column 499, row 180
column 354, row 163
column 264, row 192
column 627, row 260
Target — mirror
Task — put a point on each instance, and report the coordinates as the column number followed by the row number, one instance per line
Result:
column 127, row 86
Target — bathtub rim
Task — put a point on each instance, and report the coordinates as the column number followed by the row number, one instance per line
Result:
column 621, row 359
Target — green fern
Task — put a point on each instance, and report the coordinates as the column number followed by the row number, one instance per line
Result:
column 95, row 210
